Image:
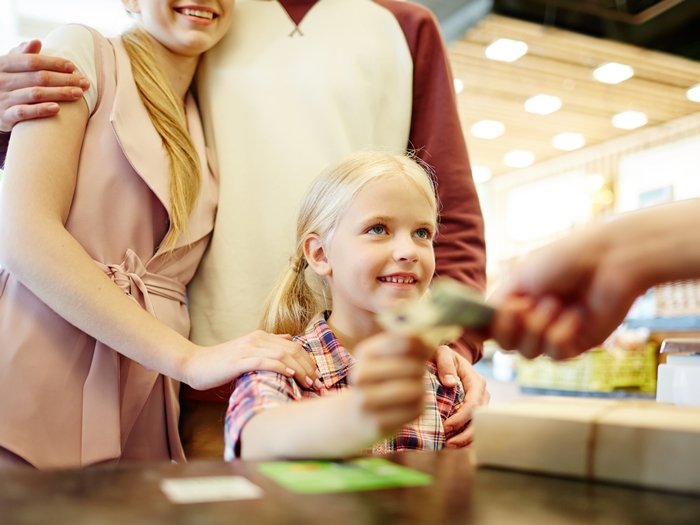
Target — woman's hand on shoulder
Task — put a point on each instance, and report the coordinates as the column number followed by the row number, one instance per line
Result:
column 388, row 380
column 209, row 367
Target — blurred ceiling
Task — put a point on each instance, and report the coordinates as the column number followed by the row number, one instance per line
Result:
column 672, row 26
column 560, row 63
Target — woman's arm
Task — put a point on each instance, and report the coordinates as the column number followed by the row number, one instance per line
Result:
column 388, row 392
column 35, row 247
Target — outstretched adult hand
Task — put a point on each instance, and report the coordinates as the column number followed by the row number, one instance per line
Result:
column 570, row 295
column 31, row 84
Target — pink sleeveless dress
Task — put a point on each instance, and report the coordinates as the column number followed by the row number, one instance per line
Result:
column 67, row 400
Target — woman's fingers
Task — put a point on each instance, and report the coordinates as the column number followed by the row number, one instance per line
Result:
column 298, row 363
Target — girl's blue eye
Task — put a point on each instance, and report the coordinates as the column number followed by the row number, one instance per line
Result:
column 423, row 233
column 377, row 230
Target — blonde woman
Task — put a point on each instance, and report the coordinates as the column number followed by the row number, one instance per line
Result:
column 105, row 213
column 364, row 244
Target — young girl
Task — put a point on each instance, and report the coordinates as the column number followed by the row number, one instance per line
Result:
column 364, row 245
column 105, row 213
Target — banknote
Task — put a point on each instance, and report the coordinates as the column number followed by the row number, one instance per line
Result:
column 442, row 314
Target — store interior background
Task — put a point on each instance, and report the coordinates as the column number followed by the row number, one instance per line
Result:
column 556, row 141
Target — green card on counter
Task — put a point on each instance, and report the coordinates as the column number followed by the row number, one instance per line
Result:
column 318, row 477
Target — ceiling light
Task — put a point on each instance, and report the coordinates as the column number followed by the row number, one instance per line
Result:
column 506, row 50
column 693, row 93
column 519, row 158
column 613, row 73
column 629, row 119
column 459, row 86
column 480, row 174
column 595, row 182
column 488, row 129
column 542, row 104
column 568, row 141
column 605, row 197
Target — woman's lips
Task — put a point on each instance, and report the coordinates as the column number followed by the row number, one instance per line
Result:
column 197, row 14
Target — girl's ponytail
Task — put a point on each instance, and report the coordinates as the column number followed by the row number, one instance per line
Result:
column 292, row 304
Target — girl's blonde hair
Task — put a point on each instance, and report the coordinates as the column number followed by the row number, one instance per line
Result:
column 294, row 300
column 167, row 114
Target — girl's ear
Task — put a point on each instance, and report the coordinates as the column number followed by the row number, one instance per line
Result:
column 131, row 5
column 316, row 256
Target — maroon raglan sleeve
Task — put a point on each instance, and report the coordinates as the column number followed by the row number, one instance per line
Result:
column 4, row 142
column 437, row 136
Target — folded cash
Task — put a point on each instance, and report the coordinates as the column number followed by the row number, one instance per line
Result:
column 442, row 315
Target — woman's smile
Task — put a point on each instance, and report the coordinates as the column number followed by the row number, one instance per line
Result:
column 196, row 14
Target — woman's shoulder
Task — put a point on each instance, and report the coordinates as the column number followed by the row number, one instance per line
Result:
column 81, row 45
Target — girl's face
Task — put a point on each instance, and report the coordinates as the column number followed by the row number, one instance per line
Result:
column 185, row 27
column 381, row 254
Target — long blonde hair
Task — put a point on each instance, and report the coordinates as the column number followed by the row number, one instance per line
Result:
column 295, row 300
column 167, row 114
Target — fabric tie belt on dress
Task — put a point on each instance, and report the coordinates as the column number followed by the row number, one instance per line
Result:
column 131, row 276
column 110, row 410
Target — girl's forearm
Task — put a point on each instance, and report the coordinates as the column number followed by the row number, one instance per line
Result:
column 329, row 427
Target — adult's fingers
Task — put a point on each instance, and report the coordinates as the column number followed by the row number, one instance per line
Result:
column 33, row 46
column 446, row 366
column 14, row 81
column 475, row 395
column 563, row 339
column 508, row 322
column 292, row 354
column 20, row 63
column 463, row 439
column 31, row 103
column 536, row 323
column 20, row 113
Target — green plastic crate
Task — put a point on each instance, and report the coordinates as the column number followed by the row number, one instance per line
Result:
column 598, row 370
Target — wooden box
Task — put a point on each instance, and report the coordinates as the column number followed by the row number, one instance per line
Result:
column 635, row 442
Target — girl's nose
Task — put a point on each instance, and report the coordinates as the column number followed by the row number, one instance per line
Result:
column 405, row 248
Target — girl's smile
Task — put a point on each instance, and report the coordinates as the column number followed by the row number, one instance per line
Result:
column 400, row 279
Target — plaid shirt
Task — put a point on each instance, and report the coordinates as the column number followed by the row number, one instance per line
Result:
column 260, row 390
